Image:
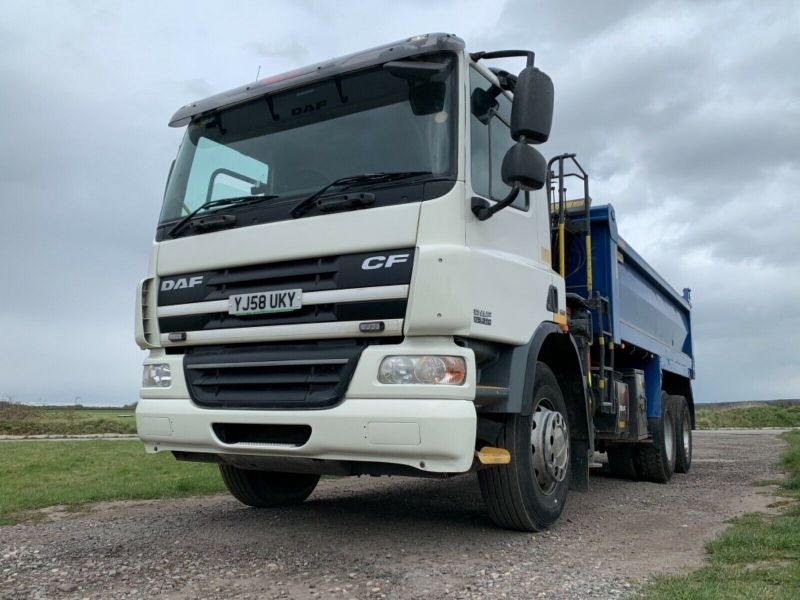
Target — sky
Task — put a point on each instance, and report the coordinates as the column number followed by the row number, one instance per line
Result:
column 685, row 114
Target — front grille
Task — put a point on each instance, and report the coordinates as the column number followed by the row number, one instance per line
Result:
column 324, row 274
column 223, row 372
column 272, row 376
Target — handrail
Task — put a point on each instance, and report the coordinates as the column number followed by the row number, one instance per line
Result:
column 562, row 211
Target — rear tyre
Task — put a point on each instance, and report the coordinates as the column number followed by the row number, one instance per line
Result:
column 683, row 433
column 529, row 493
column 657, row 460
column 622, row 462
column 261, row 489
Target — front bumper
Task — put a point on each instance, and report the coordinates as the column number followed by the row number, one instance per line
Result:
column 428, row 434
column 431, row 428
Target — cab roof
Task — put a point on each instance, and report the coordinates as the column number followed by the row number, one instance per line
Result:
column 420, row 44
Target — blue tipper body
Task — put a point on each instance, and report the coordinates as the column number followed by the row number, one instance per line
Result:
column 646, row 312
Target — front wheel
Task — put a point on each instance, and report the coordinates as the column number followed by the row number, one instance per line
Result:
column 261, row 489
column 529, row 493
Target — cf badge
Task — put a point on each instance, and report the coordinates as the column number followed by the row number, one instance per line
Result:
column 383, row 262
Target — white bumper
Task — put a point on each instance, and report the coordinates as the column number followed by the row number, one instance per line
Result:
column 428, row 434
column 431, row 428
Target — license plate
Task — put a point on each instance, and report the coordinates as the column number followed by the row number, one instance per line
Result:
column 260, row 303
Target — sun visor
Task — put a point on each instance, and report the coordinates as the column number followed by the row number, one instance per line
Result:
column 434, row 42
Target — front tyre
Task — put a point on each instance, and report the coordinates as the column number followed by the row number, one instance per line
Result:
column 262, row 489
column 529, row 493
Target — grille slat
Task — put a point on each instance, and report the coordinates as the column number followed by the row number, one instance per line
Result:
column 283, row 272
column 230, row 378
column 307, row 284
column 148, row 324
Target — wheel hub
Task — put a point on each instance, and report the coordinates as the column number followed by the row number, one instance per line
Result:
column 550, row 447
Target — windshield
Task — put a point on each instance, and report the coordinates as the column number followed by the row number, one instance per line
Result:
column 293, row 143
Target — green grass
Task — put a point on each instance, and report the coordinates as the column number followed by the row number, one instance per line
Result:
column 35, row 475
column 757, row 557
column 791, row 462
column 18, row 419
column 752, row 416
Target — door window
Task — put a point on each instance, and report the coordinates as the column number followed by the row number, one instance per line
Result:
column 490, row 117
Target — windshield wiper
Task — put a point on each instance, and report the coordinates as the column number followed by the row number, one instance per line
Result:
column 214, row 203
column 315, row 200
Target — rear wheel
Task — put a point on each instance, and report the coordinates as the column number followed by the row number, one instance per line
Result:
column 267, row 488
column 622, row 461
column 683, row 431
column 529, row 493
column 657, row 460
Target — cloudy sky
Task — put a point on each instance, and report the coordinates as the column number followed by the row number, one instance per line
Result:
column 687, row 115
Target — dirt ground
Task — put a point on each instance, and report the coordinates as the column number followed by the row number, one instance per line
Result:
column 392, row 538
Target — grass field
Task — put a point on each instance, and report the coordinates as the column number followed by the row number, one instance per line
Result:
column 757, row 557
column 35, row 475
column 19, row 419
column 749, row 416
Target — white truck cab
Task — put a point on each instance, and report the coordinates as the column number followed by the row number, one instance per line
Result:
column 334, row 288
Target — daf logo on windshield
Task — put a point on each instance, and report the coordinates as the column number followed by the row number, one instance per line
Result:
column 383, row 262
column 180, row 284
column 299, row 110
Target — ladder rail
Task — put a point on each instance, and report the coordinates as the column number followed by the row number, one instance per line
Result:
column 603, row 334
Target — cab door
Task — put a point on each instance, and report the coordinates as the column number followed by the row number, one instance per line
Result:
column 512, row 273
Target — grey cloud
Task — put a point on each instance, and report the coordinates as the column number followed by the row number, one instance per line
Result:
column 291, row 51
column 565, row 26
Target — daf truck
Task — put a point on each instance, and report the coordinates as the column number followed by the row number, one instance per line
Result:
column 367, row 267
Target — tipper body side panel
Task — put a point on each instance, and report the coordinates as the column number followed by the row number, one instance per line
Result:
column 650, row 321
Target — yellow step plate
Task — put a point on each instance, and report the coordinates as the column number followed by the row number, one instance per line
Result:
column 489, row 455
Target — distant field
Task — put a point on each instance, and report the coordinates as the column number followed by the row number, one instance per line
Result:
column 19, row 419
column 35, row 475
column 766, row 415
column 785, row 402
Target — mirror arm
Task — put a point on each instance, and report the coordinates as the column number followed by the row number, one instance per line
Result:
column 529, row 55
column 483, row 210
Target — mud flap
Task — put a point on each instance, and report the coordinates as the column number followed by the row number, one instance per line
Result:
column 579, row 461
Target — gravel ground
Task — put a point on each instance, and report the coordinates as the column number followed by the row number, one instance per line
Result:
column 391, row 538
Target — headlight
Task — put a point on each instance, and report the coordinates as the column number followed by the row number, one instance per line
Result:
column 446, row 370
column 156, row 376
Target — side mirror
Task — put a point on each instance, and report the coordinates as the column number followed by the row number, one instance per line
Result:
column 532, row 110
column 524, row 167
